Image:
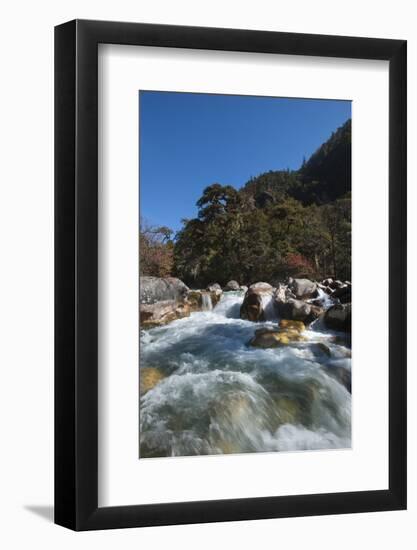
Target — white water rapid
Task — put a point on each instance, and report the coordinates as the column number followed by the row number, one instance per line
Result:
column 324, row 298
column 215, row 394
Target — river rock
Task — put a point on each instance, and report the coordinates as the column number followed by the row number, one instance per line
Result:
column 344, row 294
column 336, row 284
column 329, row 291
column 203, row 300
column 315, row 313
column 161, row 313
column 291, row 324
column 254, row 302
column 157, row 289
column 320, row 347
column 282, row 293
column 232, row 285
column 289, row 307
column 216, row 296
column 271, row 338
column 339, row 317
column 149, row 377
column 243, row 288
column 303, row 288
column 195, row 299
column 213, row 287
column 293, row 309
column 261, row 287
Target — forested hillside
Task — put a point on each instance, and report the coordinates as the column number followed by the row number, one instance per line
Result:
column 279, row 224
column 325, row 177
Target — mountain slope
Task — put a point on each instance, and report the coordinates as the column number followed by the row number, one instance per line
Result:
column 325, row 177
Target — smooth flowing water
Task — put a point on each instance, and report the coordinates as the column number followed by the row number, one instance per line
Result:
column 206, row 302
column 211, row 393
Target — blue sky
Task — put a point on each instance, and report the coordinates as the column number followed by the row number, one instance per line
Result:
column 189, row 141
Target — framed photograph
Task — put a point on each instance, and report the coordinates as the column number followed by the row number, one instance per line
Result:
column 230, row 253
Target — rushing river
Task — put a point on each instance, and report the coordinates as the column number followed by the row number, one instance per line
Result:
column 211, row 393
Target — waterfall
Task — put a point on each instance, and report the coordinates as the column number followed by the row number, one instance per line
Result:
column 268, row 307
column 229, row 305
column 326, row 300
column 206, row 303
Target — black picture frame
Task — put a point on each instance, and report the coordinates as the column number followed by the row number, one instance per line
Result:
column 76, row 272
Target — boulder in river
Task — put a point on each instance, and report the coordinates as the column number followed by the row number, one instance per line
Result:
column 203, row 300
column 258, row 297
column 328, row 290
column 288, row 307
column 320, row 348
column 232, row 285
column 213, row 287
column 297, row 310
column 315, row 312
column 261, row 287
column 195, row 300
column 336, row 284
column 343, row 293
column 272, row 338
column 282, row 293
column 339, row 317
column 149, row 377
column 291, row 324
column 157, row 289
column 303, row 288
column 161, row 313
column 215, row 296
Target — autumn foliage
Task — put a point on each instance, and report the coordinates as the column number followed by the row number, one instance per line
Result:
column 156, row 256
column 297, row 265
